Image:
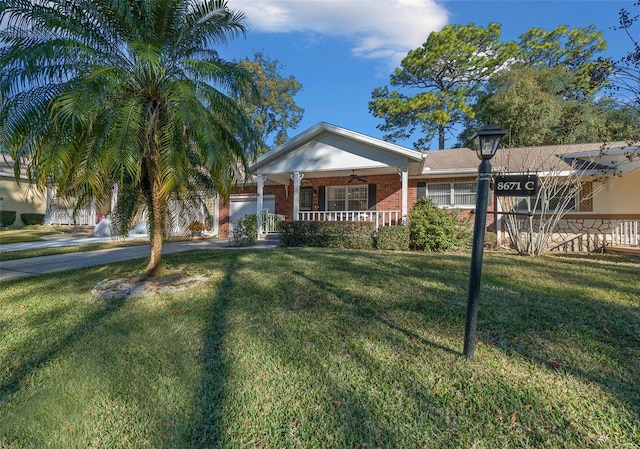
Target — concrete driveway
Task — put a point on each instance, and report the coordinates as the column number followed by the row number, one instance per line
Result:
column 21, row 268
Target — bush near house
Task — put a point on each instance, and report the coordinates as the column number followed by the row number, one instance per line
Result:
column 245, row 233
column 327, row 234
column 32, row 219
column 435, row 229
column 7, row 217
column 393, row 238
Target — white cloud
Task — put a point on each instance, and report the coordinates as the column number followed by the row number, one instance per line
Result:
column 382, row 29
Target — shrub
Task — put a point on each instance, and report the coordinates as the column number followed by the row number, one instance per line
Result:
column 327, row 234
column 435, row 229
column 32, row 219
column 393, row 238
column 7, row 217
column 491, row 241
column 246, row 231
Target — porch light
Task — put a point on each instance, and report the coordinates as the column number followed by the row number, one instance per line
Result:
column 486, row 143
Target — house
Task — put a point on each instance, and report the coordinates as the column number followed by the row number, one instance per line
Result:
column 331, row 173
column 20, row 198
column 25, row 198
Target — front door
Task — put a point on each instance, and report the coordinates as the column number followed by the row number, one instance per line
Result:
column 306, row 198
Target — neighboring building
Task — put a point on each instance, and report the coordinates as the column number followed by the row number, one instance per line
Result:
column 21, row 198
column 26, row 198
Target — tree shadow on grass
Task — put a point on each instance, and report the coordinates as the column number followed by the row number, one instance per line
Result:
column 347, row 412
column 288, row 315
column 13, row 382
column 209, row 410
column 372, row 314
column 563, row 326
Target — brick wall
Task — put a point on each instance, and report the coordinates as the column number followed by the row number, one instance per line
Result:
column 388, row 195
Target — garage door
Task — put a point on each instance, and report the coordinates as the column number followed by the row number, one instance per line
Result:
column 246, row 205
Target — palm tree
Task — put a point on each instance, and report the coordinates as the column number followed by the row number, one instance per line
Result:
column 124, row 92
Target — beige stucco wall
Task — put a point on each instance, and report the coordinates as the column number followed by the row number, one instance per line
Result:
column 619, row 195
column 22, row 199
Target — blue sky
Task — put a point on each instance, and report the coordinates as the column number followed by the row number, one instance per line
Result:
column 340, row 50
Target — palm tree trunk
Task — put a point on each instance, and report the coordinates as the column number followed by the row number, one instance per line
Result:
column 154, row 267
column 157, row 216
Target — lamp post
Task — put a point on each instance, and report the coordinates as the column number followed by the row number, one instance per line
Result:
column 486, row 143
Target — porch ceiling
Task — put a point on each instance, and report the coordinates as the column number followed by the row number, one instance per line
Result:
column 284, row 178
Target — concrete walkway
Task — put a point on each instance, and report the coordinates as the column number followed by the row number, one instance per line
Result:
column 21, row 268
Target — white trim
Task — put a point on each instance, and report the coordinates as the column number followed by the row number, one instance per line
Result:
column 404, row 174
column 321, row 127
column 260, row 203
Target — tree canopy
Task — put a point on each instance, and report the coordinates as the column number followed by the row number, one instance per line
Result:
column 275, row 111
column 531, row 104
column 132, row 93
column 445, row 73
column 626, row 73
column 542, row 88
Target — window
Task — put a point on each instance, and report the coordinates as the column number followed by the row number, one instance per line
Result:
column 451, row 194
column 464, row 193
column 440, row 194
column 564, row 195
column 347, row 198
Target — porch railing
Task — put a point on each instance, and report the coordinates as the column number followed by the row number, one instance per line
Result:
column 379, row 217
column 626, row 233
column 270, row 222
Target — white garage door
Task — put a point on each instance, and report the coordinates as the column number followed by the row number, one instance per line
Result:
column 246, row 205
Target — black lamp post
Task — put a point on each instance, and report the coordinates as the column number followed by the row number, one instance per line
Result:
column 486, row 143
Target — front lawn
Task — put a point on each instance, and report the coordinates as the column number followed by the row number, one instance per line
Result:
column 32, row 233
column 319, row 348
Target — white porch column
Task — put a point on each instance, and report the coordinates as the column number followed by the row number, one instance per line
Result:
column 404, row 174
column 297, row 177
column 260, row 204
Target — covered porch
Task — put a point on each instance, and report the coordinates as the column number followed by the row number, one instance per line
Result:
column 328, row 173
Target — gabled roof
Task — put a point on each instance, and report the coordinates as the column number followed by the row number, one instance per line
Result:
column 322, row 130
column 326, row 148
column 549, row 158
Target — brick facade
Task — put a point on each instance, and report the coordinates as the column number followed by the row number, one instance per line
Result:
column 388, row 195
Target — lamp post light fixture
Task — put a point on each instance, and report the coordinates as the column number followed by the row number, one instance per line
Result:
column 486, row 143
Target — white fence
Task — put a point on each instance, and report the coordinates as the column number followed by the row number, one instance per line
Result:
column 84, row 217
column 626, row 233
column 380, row 218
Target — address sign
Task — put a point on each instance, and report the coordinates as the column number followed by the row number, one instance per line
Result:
column 516, row 185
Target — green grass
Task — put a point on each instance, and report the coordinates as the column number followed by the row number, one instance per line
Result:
column 315, row 348
column 31, row 233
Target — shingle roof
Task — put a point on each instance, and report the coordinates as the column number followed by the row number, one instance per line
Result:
column 523, row 159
